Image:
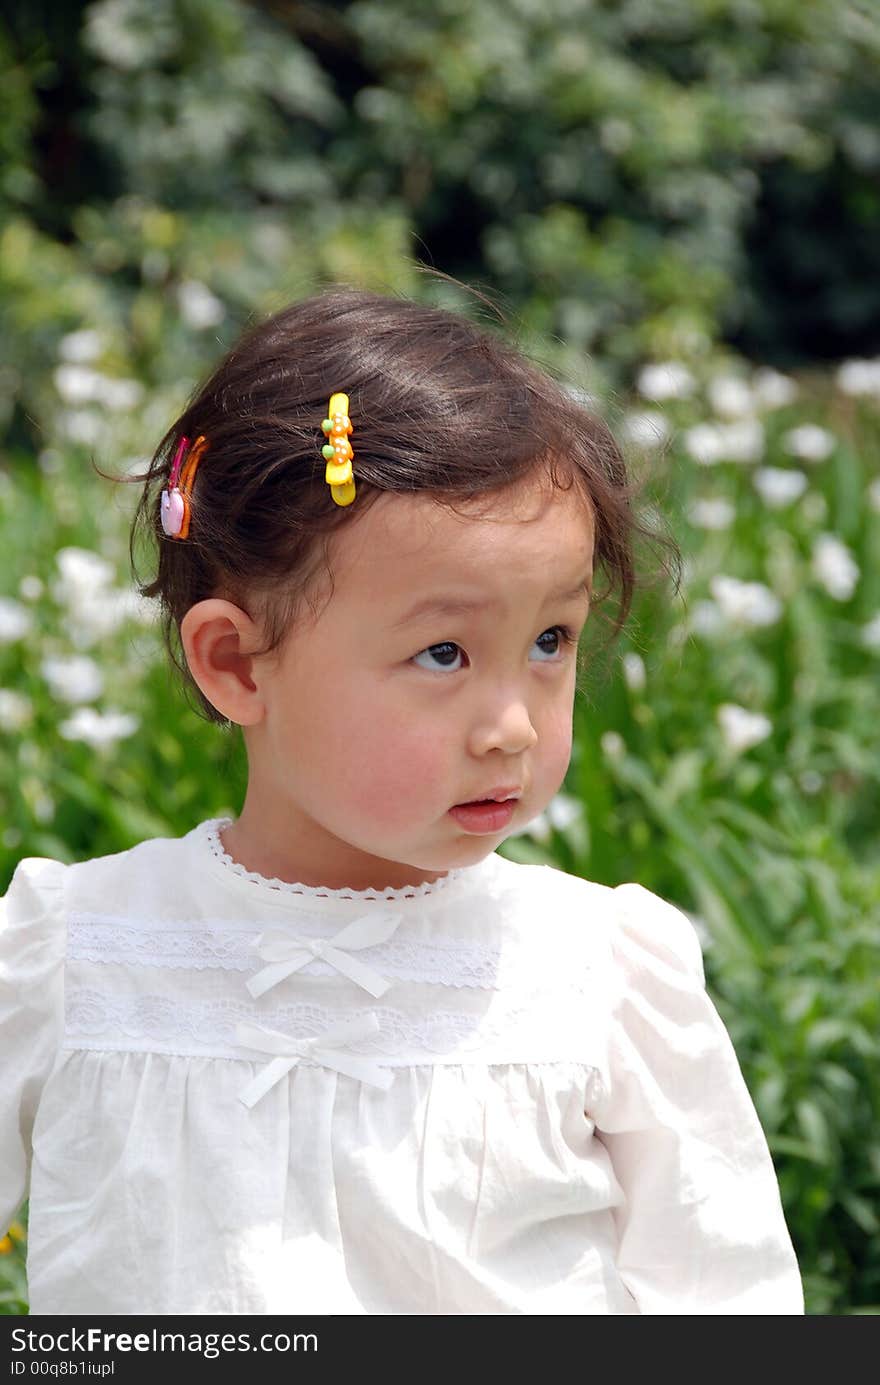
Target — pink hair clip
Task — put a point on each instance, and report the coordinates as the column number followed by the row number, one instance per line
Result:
column 175, row 504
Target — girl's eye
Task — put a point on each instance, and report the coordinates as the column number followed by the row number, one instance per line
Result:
column 445, row 653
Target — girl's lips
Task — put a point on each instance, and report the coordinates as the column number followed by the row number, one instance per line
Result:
column 499, row 792
column 484, row 817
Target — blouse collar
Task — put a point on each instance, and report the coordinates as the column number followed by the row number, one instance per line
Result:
column 207, row 842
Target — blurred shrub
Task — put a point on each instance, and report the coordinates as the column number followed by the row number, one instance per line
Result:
column 637, row 179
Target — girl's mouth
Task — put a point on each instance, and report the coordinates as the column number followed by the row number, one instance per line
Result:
column 488, row 816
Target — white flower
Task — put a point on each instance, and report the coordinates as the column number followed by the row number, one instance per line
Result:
column 128, row 36
column 80, row 346
column 874, row 494
column 731, row 396
column 712, row 513
column 871, row 633
column 98, row 729
column 710, row 443
column 81, row 425
column 859, row 377
column 94, row 616
column 634, row 671
column 561, row 812
column 809, row 442
column 15, row 710
column 613, row 745
column 773, row 390
column 94, row 608
column 78, row 384
column 705, row 443
column 73, row 678
column 834, row 567
column 778, row 487
column 745, row 603
column 82, row 588
column 15, row 620
column 647, row 429
column 707, row 619
column 130, row 605
column 199, row 308
column 81, row 571
column 665, row 380
column 31, row 588
column 744, row 440
column 742, row 729
column 120, row 395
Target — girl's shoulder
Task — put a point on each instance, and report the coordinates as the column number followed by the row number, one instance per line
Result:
column 653, row 933
column 43, row 888
column 143, row 873
column 32, row 915
column 641, row 931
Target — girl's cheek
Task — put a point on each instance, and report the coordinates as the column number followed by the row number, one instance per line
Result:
column 400, row 771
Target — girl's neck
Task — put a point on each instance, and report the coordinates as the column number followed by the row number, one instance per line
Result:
column 283, row 858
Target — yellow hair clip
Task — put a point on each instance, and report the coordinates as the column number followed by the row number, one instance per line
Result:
column 338, row 451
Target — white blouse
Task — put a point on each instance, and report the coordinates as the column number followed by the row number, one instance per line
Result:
column 503, row 1092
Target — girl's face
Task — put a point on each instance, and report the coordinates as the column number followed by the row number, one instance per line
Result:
column 379, row 717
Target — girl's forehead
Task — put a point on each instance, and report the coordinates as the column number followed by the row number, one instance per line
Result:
column 407, row 539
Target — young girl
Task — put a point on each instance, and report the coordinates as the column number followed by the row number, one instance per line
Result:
column 338, row 1055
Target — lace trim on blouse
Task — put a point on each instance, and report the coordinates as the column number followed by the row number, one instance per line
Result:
column 174, row 943
column 210, row 832
column 528, row 1027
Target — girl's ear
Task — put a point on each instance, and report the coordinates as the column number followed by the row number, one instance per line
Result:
column 219, row 640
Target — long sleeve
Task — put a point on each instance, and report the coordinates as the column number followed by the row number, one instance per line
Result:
column 31, row 1013
column 701, row 1227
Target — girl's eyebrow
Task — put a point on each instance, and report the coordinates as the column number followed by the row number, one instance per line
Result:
column 459, row 605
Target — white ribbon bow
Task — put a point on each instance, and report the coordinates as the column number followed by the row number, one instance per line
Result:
column 286, row 954
column 324, row 1049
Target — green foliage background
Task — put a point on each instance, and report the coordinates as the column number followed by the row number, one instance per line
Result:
column 686, row 181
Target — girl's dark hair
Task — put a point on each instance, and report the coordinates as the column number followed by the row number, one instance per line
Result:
column 438, row 404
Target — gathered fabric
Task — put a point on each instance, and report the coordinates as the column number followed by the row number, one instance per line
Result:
column 505, row 1091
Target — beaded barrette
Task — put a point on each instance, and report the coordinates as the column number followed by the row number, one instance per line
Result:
column 337, row 450
column 175, row 505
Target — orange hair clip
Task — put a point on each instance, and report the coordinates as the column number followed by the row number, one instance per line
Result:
column 176, row 510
